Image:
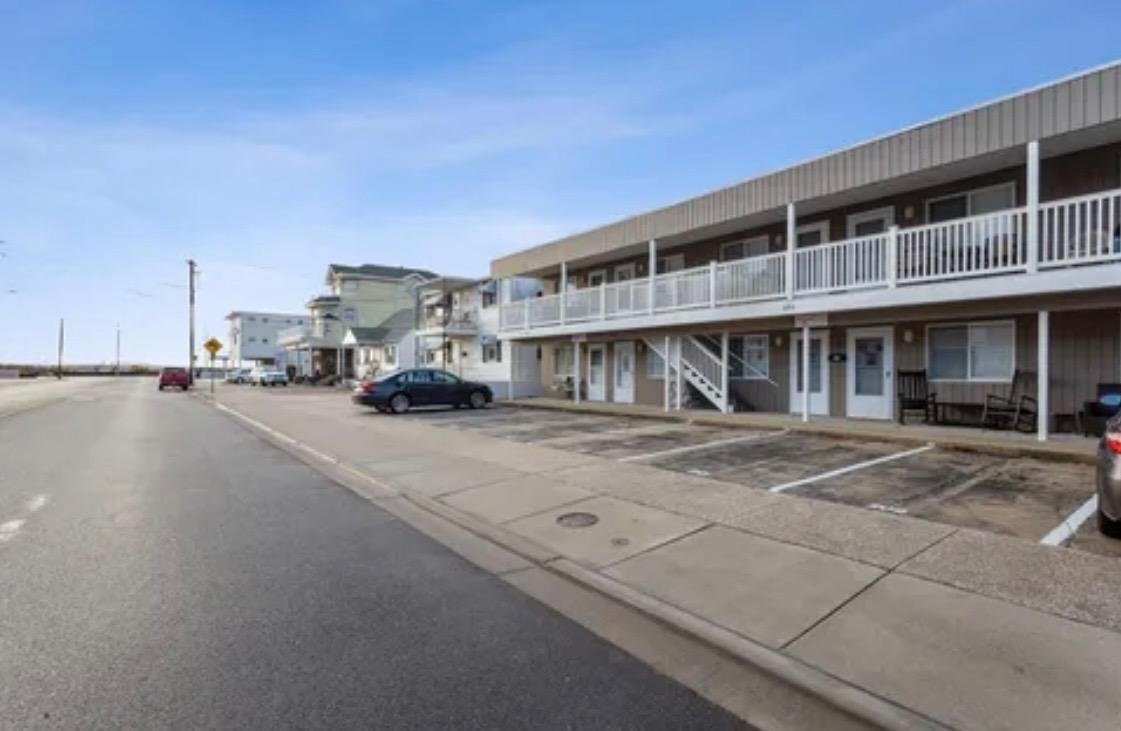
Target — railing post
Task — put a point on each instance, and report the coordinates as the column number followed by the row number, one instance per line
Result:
column 712, row 284
column 652, row 269
column 892, row 256
column 576, row 372
column 791, row 247
column 525, row 323
column 1033, row 207
column 724, row 381
column 603, row 301
column 677, row 374
column 563, row 292
column 1043, row 382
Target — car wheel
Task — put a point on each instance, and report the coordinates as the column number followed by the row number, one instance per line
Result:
column 1108, row 526
column 160, row 386
column 399, row 404
column 478, row 400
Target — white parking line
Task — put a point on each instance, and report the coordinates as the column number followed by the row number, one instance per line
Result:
column 9, row 530
column 706, row 445
column 850, row 468
column 1064, row 531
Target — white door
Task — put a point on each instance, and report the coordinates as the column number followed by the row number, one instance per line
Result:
column 819, row 372
column 623, row 390
column 870, row 377
column 597, row 372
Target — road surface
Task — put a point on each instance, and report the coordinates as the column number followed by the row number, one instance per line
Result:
column 160, row 566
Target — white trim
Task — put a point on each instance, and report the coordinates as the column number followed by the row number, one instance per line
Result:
column 968, row 197
column 822, row 226
column 742, row 355
column 602, row 273
column 886, row 214
column 629, row 393
column 851, row 468
column 887, row 332
column 968, row 324
column 629, row 267
column 824, row 395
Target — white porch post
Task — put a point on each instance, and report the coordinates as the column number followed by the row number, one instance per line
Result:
column 892, row 256
column 652, row 270
column 724, row 372
column 806, row 373
column 576, row 372
column 603, row 301
column 563, row 291
column 677, row 372
column 1033, row 206
column 1043, row 418
column 512, row 369
column 791, row 246
column 712, row 284
column 665, row 377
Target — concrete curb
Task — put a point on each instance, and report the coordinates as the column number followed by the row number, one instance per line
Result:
column 847, row 698
column 702, row 419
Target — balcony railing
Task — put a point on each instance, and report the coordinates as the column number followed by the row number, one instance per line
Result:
column 1072, row 231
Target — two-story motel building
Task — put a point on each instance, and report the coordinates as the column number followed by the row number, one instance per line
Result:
column 982, row 248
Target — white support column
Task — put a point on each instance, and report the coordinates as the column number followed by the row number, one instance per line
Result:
column 526, row 324
column 677, row 371
column 724, row 381
column 712, row 284
column 892, row 256
column 791, row 246
column 806, row 372
column 511, row 369
column 603, row 301
column 1033, row 206
column 1043, row 394
column 563, row 291
column 576, row 372
column 652, row 271
column 665, row 376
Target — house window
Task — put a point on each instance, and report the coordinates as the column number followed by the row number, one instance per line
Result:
column 624, row 272
column 264, row 340
column 562, row 360
column 869, row 223
column 755, row 246
column 492, row 352
column 252, row 339
column 671, row 263
column 655, row 364
column 264, row 319
column 597, row 277
column 390, row 353
column 252, row 319
column 489, row 299
column 977, row 351
column 971, row 203
column 812, row 234
column 751, row 357
column 350, row 315
column 350, row 286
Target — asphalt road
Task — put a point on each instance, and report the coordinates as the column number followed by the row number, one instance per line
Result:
column 162, row 567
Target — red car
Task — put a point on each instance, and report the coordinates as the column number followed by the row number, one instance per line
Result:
column 174, row 378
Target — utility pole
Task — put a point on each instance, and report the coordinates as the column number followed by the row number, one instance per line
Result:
column 61, row 342
column 118, row 350
column 191, row 350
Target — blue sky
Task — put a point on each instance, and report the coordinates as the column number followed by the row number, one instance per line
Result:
column 267, row 139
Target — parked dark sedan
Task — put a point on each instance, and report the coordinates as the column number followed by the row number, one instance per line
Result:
column 399, row 392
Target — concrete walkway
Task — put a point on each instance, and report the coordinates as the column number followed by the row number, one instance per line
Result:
column 1006, row 443
column 962, row 629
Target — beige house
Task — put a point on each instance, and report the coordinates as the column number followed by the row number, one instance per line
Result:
column 367, row 311
column 970, row 258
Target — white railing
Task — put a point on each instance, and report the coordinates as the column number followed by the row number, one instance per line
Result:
column 758, row 277
column 545, row 310
column 1072, row 231
column 626, row 298
column 1080, row 230
column 966, row 247
column 512, row 316
column 582, row 304
column 683, row 289
column 698, row 357
column 844, row 265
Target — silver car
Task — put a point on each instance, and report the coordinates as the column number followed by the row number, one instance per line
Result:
column 1109, row 479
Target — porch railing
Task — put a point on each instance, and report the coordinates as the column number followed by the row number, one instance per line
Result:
column 1072, row 231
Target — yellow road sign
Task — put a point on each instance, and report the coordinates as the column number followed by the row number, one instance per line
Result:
column 212, row 346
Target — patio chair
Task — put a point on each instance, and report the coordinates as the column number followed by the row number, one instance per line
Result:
column 1096, row 413
column 1017, row 411
column 915, row 395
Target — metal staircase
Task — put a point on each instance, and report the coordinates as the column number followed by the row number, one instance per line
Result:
column 688, row 359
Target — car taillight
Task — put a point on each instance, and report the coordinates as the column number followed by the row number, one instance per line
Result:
column 368, row 387
column 1113, row 441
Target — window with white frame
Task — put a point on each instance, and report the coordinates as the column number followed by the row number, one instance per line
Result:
column 975, row 351
column 563, row 356
column 390, row 354
column 655, row 364
column 751, row 357
column 975, row 202
column 754, row 246
column 671, row 263
column 492, row 352
column 350, row 285
column 812, row 234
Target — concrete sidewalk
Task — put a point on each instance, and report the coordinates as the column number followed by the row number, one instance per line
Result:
column 1004, row 443
column 968, row 629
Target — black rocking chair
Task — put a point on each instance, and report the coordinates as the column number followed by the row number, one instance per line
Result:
column 1016, row 411
column 915, row 395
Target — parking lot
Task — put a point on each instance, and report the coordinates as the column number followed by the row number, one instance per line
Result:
column 1023, row 497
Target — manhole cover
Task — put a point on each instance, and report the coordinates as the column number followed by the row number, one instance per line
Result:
column 577, row 520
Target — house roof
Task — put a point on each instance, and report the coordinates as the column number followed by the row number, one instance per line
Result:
column 391, row 330
column 378, row 270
